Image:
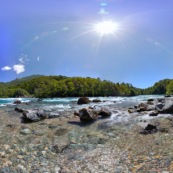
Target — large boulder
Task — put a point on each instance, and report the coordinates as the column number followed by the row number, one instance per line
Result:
column 87, row 115
column 168, row 107
column 83, row 100
column 33, row 116
column 142, row 107
column 92, row 113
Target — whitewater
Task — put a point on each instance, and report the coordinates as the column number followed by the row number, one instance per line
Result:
column 70, row 104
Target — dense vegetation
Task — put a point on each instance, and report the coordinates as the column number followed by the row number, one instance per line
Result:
column 62, row 86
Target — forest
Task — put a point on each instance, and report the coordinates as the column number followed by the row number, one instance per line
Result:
column 61, row 86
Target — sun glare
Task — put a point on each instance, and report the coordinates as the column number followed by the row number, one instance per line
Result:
column 106, row 27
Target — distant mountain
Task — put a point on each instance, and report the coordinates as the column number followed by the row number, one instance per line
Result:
column 24, row 79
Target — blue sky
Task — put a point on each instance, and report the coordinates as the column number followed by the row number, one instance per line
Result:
column 58, row 37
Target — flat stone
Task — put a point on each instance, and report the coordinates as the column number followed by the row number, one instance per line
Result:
column 25, row 131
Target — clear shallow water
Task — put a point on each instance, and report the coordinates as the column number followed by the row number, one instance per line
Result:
column 69, row 104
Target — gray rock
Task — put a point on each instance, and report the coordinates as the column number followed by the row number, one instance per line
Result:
column 60, row 145
column 168, row 107
column 87, row 114
column 25, row 131
column 33, row 116
column 142, row 107
column 53, row 115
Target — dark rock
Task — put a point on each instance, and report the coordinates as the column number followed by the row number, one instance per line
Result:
column 154, row 113
column 60, row 131
column 159, row 106
column 161, row 100
column 11, row 125
column 131, row 110
column 167, row 95
column 96, row 101
column 83, row 100
column 19, row 110
column 87, row 115
column 51, row 126
column 149, row 129
column 39, row 100
column 17, row 102
column 135, row 107
column 104, row 112
column 150, row 100
column 76, row 113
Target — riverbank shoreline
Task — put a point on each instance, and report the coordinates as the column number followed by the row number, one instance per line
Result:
column 65, row 145
column 116, row 144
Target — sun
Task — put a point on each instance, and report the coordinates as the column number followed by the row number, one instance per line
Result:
column 106, row 27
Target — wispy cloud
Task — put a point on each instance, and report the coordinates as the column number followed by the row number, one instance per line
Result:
column 38, row 58
column 6, row 68
column 19, row 68
column 23, row 59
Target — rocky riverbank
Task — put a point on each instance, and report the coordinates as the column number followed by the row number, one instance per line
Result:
column 66, row 145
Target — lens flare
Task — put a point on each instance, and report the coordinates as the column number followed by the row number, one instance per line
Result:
column 106, row 27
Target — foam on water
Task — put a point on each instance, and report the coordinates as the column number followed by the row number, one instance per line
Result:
column 70, row 104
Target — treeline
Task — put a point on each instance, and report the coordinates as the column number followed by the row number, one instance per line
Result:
column 62, row 86
column 161, row 87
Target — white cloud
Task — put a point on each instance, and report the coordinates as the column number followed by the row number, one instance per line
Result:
column 6, row 68
column 19, row 68
column 38, row 58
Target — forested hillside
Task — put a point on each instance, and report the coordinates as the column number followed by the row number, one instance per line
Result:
column 61, row 86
